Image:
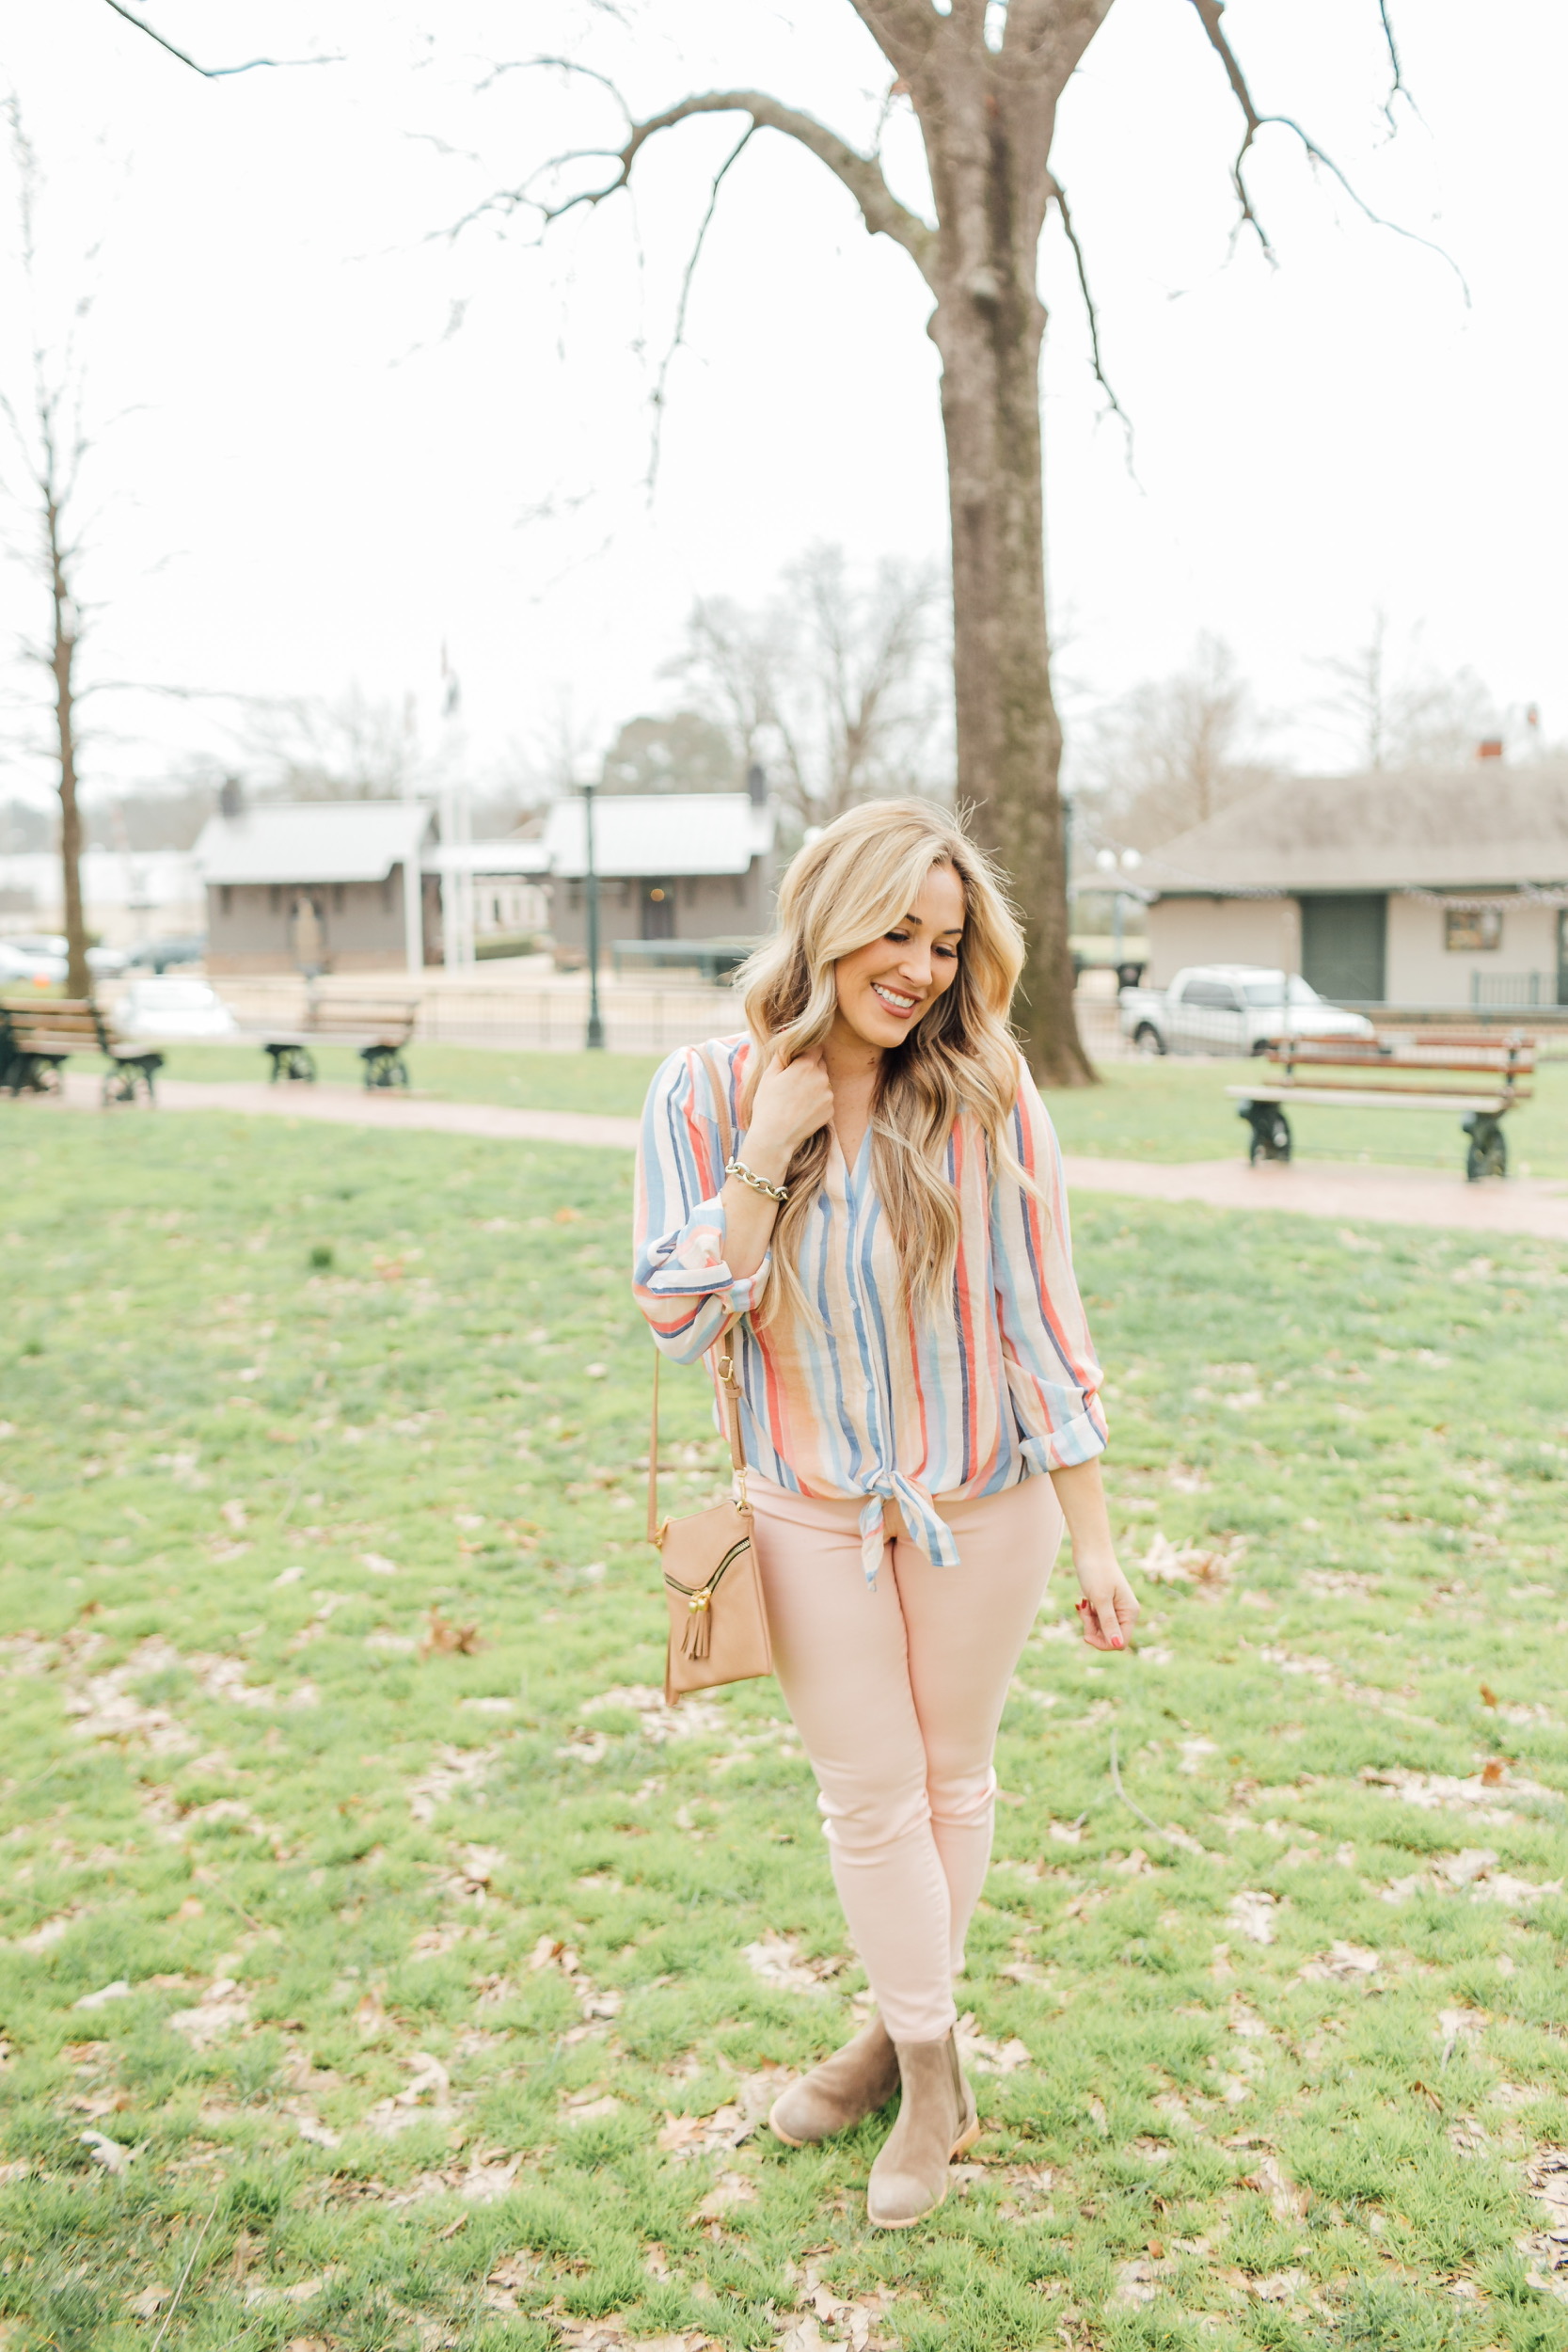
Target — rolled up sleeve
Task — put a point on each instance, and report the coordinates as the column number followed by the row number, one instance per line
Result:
column 1050, row 1359
column 682, row 1283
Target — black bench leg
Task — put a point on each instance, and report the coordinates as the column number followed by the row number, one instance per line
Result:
column 384, row 1066
column 1271, row 1131
column 1488, row 1152
column 290, row 1061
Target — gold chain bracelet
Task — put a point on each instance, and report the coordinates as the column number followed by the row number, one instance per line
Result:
column 758, row 1184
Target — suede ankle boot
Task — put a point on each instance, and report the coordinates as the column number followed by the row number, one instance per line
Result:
column 841, row 2092
column 936, row 2122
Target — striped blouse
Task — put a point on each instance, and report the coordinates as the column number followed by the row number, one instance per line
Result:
column 996, row 1385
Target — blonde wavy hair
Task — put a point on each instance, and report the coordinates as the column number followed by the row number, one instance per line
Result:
column 857, row 879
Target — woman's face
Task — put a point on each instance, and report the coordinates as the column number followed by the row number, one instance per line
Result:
column 886, row 987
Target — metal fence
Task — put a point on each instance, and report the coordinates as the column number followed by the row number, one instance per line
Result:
column 1514, row 989
column 553, row 1018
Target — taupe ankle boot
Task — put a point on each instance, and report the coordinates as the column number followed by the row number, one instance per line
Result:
column 841, row 2092
column 936, row 2122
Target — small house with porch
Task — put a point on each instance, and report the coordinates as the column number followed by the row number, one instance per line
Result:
column 316, row 886
column 1441, row 889
column 673, row 867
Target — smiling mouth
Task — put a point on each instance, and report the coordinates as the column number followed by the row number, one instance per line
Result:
column 899, row 1006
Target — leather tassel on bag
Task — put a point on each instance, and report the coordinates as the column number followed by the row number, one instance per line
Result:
column 699, row 1619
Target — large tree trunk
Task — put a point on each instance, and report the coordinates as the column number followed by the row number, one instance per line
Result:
column 62, row 657
column 988, row 126
column 1010, row 740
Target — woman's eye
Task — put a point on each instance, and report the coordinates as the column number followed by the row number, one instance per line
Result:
column 899, row 936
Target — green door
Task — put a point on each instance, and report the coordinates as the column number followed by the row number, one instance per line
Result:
column 1343, row 946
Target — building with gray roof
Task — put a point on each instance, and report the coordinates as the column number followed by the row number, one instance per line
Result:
column 1437, row 886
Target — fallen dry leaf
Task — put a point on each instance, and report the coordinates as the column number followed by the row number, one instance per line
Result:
column 221, row 2006
column 443, row 1638
column 1342, row 1964
column 1288, row 2201
column 729, row 2190
column 986, row 2057
column 587, row 2110
column 778, row 1960
column 118, row 1991
column 1251, row 1913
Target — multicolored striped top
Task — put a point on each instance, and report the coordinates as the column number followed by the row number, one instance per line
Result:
column 880, row 1401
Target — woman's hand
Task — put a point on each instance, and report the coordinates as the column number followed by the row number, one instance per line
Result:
column 1109, row 1608
column 793, row 1100
column 1108, row 1611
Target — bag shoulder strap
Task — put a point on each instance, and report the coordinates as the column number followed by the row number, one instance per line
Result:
column 719, row 1080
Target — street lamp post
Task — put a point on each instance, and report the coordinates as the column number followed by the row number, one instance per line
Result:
column 591, row 884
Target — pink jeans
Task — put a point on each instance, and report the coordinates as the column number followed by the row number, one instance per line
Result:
column 896, row 1693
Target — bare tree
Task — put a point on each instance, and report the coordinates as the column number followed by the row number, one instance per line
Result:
column 839, row 687
column 344, row 747
column 1399, row 711
column 684, row 751
column 984, row 78
column 1175, row 751
column 50, row 443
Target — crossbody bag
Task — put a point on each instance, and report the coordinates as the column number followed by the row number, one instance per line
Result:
column 718, row 1622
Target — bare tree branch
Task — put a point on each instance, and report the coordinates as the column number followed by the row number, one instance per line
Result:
column 211, row 72
column 1397, row 88
column 1059, row 193
column 881, row 210
column 903, row 30
column 563, row 64
column 1057, row 34
column 679, row 335
column 1211, row 11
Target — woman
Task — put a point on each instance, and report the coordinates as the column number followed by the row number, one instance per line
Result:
column 920, row 1408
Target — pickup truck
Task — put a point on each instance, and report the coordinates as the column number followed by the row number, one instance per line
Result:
column 1231, row 1008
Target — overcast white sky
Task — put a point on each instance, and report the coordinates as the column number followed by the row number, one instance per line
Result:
column 354, row 437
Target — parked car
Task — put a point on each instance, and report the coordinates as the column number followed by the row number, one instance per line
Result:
column 157, row 955
column 1232, row 1009
column 49, row 954
column 21, row 967
column 173, row 1008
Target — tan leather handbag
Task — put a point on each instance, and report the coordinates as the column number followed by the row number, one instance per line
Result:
column 718, row 1622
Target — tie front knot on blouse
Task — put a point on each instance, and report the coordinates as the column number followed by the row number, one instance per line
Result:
column 873, row 1396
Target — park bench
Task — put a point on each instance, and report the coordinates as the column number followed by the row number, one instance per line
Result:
column 38, row 1036
column 1481, row 1070
column 378, row 1033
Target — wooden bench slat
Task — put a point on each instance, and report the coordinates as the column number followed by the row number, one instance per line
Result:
column 1495, row 1069
column 1400, row 1098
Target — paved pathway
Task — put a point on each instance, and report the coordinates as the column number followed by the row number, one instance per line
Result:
column 1386, row 1195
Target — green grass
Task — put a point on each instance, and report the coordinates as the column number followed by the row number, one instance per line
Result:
column 1170, row 1110
column 274, row 1407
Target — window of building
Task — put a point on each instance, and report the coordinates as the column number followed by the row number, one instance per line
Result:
column 274, row 899
column 1470, row 927
column 385, row 894
column 226, row 898
column 340, row 898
